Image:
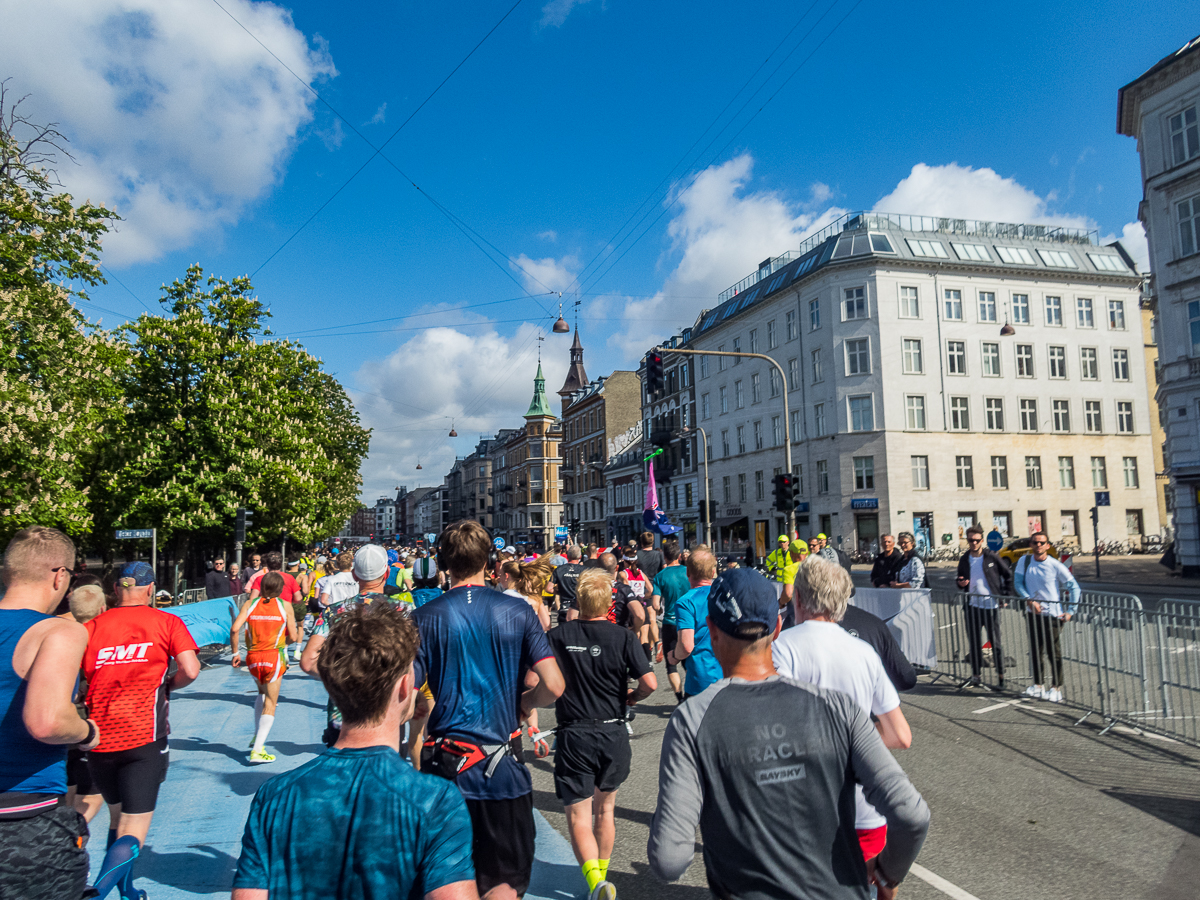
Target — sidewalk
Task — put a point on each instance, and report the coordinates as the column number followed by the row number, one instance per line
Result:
column 1134, row 570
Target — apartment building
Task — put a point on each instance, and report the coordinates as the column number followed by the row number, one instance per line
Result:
column 937, row 373
column 1161, row 109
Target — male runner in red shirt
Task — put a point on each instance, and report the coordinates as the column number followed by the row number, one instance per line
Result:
column 270, row 626
column 129, row 650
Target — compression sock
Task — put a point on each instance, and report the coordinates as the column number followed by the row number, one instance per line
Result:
column 264, row 728
column 591, row 872
column 649, row 653
column 117, row 865
column 112, row 836
column 258, row 708
column 603, row 869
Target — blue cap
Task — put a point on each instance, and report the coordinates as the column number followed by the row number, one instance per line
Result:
column 136, row 574
column 743, row 604
column 393, row 557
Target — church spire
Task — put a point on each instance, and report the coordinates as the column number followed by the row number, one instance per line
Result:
column 539, row 406
column 576, row 376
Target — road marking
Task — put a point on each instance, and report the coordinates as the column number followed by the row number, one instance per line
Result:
column 1000, row 705
column 939, row 883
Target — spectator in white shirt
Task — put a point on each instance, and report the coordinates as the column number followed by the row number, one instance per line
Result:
column 984, row 576
column 340, row 586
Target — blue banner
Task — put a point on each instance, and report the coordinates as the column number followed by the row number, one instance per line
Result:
column 208, row 621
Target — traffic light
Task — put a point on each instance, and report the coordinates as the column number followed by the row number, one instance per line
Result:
column 785, row 494
column 656, row 379
column 245, row 519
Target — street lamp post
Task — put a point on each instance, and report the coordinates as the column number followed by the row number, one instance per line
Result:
column 705, row 501
column 787, row 427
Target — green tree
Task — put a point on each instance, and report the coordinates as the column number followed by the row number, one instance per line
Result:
column 59, row 390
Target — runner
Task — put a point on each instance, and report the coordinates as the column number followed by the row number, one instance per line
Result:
column 643, row 589
column 563, row 584
column 671, row 584
column 270, row 626
column 477, row 645
column 626, row 609
column 339, row 586
column 593, row 755
column 41, row 838
column 649, row 560
column 129, row 650
column 693, row 647
column 526, row 580
column 425, row 572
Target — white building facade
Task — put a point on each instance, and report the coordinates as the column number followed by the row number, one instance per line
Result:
column 938, row 373
column 1162, row 110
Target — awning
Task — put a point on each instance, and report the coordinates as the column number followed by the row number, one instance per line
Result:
column 726, row 521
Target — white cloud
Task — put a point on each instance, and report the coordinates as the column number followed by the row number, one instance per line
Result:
column 380, row 115
column 547, row 274
column 551, row 236
column 556, row 12
column 484, row 382
column 176, row 116
column 1133, row 239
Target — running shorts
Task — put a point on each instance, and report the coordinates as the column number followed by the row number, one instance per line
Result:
column 590, row 758
column 43, row 857
column 872, row 841
column 503, row 833
column 78, row 775
column 267, row 665
column 670, row 637
column 131, row 777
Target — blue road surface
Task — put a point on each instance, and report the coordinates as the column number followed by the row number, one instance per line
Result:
column 195, row 838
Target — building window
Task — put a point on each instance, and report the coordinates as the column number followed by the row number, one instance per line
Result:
column 1020, row 309
column 822, row 476
column 725, row 442
column 723, row 395
column 956, row 357
column 1099, row 473
column 776, row 431
column 1185, row 141
column 1133, row 521
column 741, row 487
column 741, row 438
column 1129, row 464
column 1062, row 416
column 756, row 388
column 1054, row 311
column 816, row 366
column 953, row 305
column 987, row 306
column 1089, row 366
column 772, row 337
column 797, row 477
column 1124, row 417
column 725, row 489
column 1033, row 473
column 759, row 489
column 1116, row 315
column 1024, row 360
column 739, row 395
column 991, row 359
column 1091, row 417
column 1029, row 420
column 819, row 420
column 1016, row 256
column 814, row 314
column 914, row 413
column 794, row 424
column 965, row 472
column 773, row 376
column 1058, row 362
column 705, row 406
column 1066, row 472
column 858, row 357
column 920, row 472
column 910, row 303
column 1084, row 316
column 994, row 409
column 854, row 304
column 704, row 367
column 864, row 473
column 1120, row 365
column 862, row 414
column 789, row 326
column 960, row 417
column 721, row 359
column 793, row 374
column 1189, row 225
column 1000, row 472
column 758, row 435
column 753, row 340
column 928, row 248
column 737, row 348
column 912, row 357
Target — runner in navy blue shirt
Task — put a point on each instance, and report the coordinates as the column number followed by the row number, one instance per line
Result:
column 488, row 663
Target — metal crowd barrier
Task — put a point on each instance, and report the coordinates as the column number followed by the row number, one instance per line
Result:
column 1116, row 660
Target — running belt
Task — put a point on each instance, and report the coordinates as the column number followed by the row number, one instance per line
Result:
column 17, row 805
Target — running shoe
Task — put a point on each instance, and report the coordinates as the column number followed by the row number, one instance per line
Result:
column 1054, row 695
column 1036, row 691
column 261, row 756
column 605, row 890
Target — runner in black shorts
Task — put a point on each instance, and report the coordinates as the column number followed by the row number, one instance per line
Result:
column 564, row 584
column 670, row 584
column 597, row 659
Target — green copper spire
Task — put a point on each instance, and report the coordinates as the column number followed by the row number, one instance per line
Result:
column 539, row 406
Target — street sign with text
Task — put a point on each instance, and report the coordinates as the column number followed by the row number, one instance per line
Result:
column 133, row 534
column 864, row 503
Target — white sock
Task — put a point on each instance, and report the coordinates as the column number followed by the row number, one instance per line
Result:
column 258, row 708
column 264, row 728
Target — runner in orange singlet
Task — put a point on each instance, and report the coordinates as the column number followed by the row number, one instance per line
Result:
column 270, row 627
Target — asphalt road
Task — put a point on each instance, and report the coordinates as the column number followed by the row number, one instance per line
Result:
column 1025, row 804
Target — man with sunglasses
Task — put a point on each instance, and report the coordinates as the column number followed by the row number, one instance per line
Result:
column 1041, row 579
column 984, row 576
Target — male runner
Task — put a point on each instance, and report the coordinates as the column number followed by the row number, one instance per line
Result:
column 693, row 647
column 270, row 626
column 593, row 756
column 671, row 584
column 649, row 560
column 477, row 648
column 563, row 584
column 129, row 650
column 291, row 590
column 41, row 838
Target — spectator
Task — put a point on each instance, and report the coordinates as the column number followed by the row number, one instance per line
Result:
column 731, row 765
column 42, row 837
column 1041, row 578
column 216, row 581
column 252, row 571
column 797, row 553
column 820, row 546
column 358, row 821
column 693, row 647
column 911, row 572
column 887, row 562
column 984, row 576
column 235, row 579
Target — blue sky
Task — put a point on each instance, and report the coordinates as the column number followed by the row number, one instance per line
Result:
column 545, row 142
